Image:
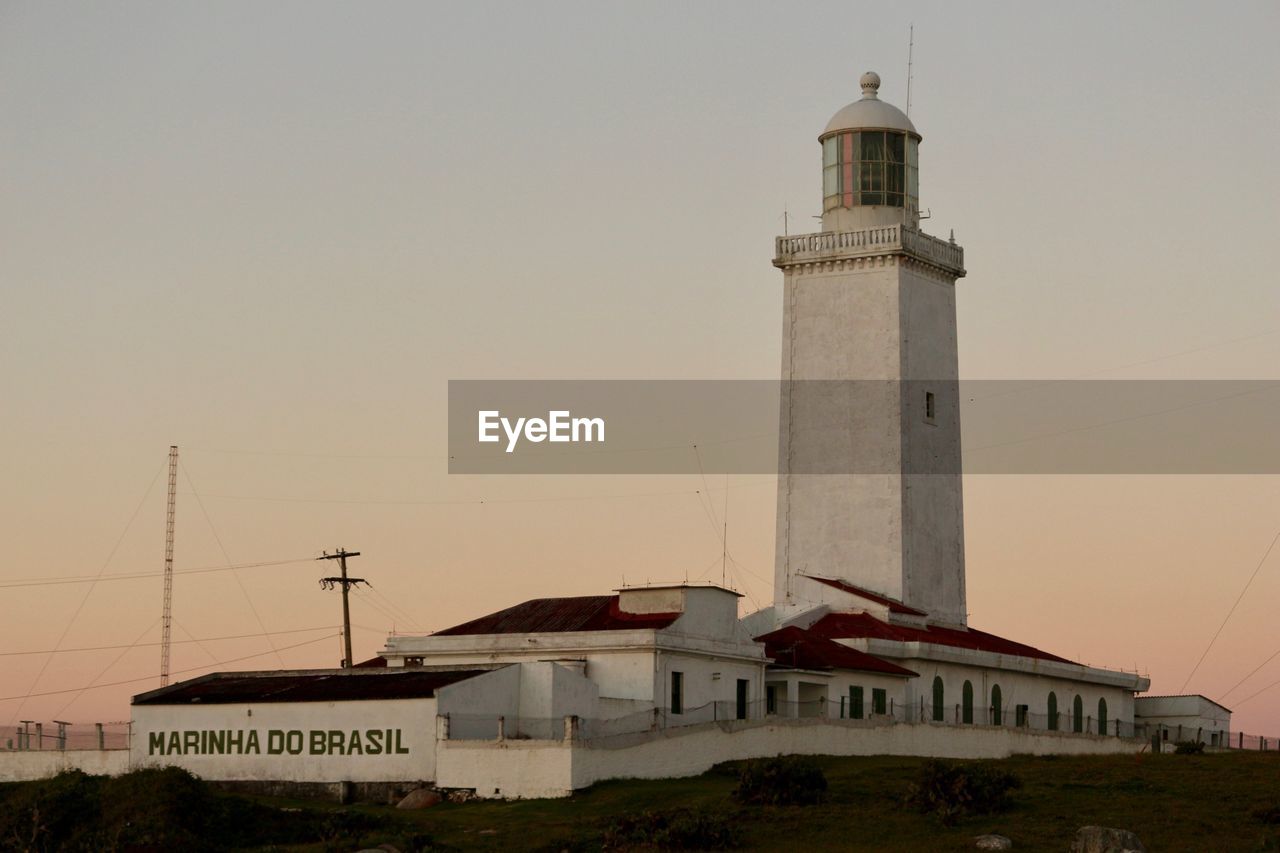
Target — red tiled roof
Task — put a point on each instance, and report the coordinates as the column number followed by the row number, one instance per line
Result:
column 221, row 688
column 856, row 625
column 893, row 605
column 554, row 615
column 798, row 648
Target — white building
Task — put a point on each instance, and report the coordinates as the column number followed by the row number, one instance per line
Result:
column 866, row 648
column 1186, row 717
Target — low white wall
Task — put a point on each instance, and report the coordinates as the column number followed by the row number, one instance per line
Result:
column 518, row 769
column 25, row 765
column 549, row 769
column 670, row 755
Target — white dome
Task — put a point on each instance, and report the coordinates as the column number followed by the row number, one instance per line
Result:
column 870, row 112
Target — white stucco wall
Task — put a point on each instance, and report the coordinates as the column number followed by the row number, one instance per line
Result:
column 285, row 757
column 551, row 769
column 1016, row 688
column 870, row 318
column 27, row 765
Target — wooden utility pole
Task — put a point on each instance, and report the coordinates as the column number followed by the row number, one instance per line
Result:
column 346, row 583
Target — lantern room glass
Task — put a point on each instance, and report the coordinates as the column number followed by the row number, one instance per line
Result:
column 870, row 167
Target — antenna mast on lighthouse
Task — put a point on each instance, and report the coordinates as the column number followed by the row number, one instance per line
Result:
column 911, row 46
column 166, row 619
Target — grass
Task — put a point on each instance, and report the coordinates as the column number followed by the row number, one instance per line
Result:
column 1183, row 802
column 1172, row 802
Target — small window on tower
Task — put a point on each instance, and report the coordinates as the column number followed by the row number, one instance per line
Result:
column 930, row 407
column 677, row 692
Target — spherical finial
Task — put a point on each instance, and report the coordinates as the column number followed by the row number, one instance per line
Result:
column 870, row 83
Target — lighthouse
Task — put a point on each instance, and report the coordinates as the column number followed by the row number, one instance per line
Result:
column 869, row 492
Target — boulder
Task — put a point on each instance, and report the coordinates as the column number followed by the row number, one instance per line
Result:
column 992, row 842
column 1104, row 839
column 419, row 798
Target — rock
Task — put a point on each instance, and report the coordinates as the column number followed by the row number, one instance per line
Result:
column 419, row 798
column 1103, row 839
column 992, row 842
column 461, row 795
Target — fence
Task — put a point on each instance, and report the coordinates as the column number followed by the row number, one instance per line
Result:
column 56, row 735
column 889, row 712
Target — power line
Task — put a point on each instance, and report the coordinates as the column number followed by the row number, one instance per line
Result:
column 1239, row 598
column 176, row 672
column 175, row 642
column 93, row 584
column 127, row 576
column 227, row 557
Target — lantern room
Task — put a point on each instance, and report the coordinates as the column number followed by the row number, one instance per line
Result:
column 870, row 164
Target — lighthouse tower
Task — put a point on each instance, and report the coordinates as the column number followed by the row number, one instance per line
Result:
column 869, row 493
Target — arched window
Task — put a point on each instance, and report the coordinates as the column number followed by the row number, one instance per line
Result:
column 937, row 699
column 966, row 708
column 1102, row 716
column 995, row 705
column 1077, row 714
column 1053, row 711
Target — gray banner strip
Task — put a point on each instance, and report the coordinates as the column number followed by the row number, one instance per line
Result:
column 864, row 427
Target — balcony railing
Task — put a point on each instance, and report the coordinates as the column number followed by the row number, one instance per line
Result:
column 893, row 239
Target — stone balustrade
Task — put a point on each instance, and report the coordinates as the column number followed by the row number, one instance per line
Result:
column 885, row 239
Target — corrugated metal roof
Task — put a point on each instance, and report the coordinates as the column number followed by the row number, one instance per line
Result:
column 894, row 605
column 798, row 648
column 839, row 626
column 555, row 615
column 224, row 688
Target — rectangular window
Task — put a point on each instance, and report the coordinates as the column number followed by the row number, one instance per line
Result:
column 930, row 407
column 1020, row 715
column 744, row 692
column 878, row 701
column 855, row 703
column 677, row 692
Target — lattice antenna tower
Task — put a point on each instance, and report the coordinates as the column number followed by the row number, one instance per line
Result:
column 911, row 44
column 166, row 618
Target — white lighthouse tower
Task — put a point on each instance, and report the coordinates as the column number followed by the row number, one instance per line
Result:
column 869, row 497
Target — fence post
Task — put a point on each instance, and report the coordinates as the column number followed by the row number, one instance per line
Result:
column 502, row 727
column 957, row 713
column 102, row 740
column 442, row 726
column 39, row 735
column 571, row 727
column 656, row 711
column 1241, row 740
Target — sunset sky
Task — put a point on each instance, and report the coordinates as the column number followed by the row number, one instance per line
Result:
column 271, row 233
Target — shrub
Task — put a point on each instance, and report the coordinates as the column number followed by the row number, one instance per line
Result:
column 156, row 809
column 1268, row 815
column 680, row 829
column 1188, row 747
column 783, row 781
column 950, row 791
